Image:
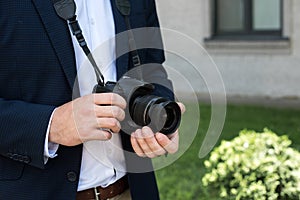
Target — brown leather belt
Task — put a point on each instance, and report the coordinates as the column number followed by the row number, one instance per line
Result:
column 100, row 193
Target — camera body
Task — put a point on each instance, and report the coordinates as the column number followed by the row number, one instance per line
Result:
column 143, row 108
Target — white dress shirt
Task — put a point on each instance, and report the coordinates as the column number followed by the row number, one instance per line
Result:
column 103, row 162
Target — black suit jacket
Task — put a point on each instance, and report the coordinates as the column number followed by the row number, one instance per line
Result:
column 37, row 74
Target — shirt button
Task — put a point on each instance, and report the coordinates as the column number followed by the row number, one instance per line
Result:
column 72, row 176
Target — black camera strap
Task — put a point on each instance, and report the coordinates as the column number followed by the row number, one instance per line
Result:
column 66, row 10
column 125, row 8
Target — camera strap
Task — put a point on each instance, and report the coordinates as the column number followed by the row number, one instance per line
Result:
column 125, row 8
column 66, row 10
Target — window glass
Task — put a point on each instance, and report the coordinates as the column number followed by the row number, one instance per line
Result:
column 248, row 18
column 266, row 14
column 230, row 15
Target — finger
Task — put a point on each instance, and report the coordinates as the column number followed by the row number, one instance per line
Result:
column 97, row 134
column 169, row 144
column 110, row 112
column 102, row 134
column 135, row 145
column 182, row 107
column 140, row 137
column 109, row 99
column 151, row 141
column 109, row 123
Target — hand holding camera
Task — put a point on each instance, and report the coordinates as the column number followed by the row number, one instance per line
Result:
column 87, row 118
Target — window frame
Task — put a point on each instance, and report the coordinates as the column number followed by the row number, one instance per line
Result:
column 248, row 32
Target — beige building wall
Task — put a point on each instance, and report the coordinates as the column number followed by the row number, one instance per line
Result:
column 266, row 69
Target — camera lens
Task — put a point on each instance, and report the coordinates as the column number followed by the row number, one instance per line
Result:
column 160, row 114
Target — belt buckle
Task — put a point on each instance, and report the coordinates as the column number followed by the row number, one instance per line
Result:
column 96, row 193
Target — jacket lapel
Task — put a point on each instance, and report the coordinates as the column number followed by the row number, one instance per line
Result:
column 122, row 60
column 58, row 32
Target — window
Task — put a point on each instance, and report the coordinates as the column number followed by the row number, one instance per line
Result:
column 248, row 19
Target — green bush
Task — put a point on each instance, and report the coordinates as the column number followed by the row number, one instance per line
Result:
column 259, row 166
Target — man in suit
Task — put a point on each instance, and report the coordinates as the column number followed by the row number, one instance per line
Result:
column 45, row 135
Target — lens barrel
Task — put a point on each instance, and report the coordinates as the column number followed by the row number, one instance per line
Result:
column 160, row 114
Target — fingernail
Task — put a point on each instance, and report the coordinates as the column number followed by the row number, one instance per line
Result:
column 146, row 130
column 138, row 131
column 136, row 134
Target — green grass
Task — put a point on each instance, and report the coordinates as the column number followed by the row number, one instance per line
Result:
column 182, row 179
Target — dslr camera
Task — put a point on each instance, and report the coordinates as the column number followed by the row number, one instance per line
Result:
column 143, row 108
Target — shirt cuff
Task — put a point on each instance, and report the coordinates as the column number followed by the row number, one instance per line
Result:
column 50, row 148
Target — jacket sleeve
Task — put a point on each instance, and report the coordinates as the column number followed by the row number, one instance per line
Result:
column 32, row 80
column 23, row 130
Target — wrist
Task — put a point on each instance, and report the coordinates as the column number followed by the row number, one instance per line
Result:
column 56, row 126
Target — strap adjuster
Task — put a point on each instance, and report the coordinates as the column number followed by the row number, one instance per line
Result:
column 136, row 60
column 96, row 193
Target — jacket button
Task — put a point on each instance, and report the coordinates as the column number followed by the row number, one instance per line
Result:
column 16, row 157
column 72, row 176
column 26, row 159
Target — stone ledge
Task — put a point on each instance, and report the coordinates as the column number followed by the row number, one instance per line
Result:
column 225, row 46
